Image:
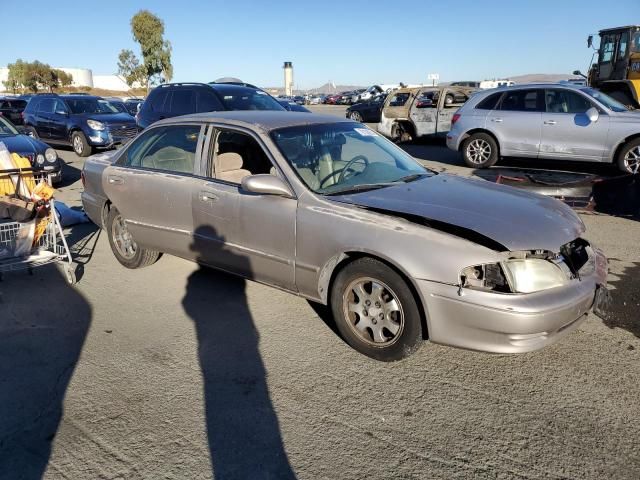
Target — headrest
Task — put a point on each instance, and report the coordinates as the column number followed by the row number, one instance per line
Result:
column 229, row 161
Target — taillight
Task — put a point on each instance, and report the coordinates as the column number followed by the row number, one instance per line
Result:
column 455, row 118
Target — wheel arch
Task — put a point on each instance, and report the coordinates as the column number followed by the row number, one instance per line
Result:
column 479, row 130
column 339, row 262
column 621, row 144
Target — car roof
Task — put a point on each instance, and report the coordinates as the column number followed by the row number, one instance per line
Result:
column 521, row 86
column 265, row 120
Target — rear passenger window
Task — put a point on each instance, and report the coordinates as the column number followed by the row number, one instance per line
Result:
column 171, row 149
column 522, row 101
column 47, row 105
column 490, row 102
column 206, row 101
column 157, row 99
column 183, row 101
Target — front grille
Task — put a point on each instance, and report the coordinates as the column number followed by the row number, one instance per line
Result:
column 123, row 131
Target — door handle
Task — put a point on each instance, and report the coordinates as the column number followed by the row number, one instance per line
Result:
column 497, row 120
column 550, row 122
column 113, row 180
column 208, row 197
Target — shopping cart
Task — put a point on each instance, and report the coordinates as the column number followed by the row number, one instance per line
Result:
column 49, row 244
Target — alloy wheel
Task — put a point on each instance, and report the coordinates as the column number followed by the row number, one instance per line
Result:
column 373, row 311
column 478, row 151
column 78, row 147
column 356, row 117
column 632, row 160
column 122, row 238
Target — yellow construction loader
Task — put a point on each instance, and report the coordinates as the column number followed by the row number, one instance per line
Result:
column 616, row 70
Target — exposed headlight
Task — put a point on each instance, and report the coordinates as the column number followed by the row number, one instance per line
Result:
column 40, row 159
column 534, row 274
column 516, row 275
column 51, row 155
column 95, row 125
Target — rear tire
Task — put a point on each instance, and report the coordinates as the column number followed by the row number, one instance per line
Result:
column 629, row 157
column 80, row 145
column 480, row 150
column 375, row 311
column 355, row 116
column 124, row 247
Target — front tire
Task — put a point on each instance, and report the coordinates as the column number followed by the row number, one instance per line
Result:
column 480, row 150
column 80, row 145
column 123, row 246
column 375, row 311
column 629, row 157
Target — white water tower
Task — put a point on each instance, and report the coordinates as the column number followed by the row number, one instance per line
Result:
column 288, row 78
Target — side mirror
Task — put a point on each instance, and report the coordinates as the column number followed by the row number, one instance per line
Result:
column 426, row 103
column 266, row 184
column 592, row 114
column 62, row 112
column 589, row 41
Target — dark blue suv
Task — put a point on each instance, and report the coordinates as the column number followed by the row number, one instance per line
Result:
column 83, row 121
column 173, row 99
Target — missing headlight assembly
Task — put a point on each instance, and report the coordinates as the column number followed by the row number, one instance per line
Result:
column 529, row 271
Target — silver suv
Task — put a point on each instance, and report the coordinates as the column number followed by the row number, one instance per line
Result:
column 557, row 121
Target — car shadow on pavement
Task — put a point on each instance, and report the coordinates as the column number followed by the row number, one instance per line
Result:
column 43, row 326
column 242, row 426
column 625, row 301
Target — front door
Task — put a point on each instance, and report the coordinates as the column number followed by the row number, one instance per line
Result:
column 249, row 234
column 567, row 132
column 517, row 122
column 424, row 112
column 151, row 186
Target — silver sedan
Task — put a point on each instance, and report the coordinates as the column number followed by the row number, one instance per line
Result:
column 552, row 121
column 327, row 209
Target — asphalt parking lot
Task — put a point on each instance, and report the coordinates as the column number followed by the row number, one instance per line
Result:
column 139, row 374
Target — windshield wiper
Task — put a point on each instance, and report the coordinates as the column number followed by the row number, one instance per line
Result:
column 360, row 188
column 410, row 178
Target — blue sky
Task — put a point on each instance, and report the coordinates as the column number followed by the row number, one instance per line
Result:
column 348, row 42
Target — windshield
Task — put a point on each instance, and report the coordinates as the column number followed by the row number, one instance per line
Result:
column 6, row 128
column 635, row 42
column 235, row 98
column 606, row 100
column 344, row 157
column 90, row 105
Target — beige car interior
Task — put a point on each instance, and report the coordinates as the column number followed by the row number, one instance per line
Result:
column 174, row 150
column 238, row 155
column 229, row 167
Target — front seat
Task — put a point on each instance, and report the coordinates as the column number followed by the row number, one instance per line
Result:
column 229, row 167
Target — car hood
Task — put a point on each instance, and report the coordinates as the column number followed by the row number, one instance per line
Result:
column 631, row 116
column 23, row 144
column 109, row 118
column 497, row 216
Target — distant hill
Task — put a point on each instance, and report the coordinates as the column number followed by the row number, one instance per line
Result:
column 326, row 88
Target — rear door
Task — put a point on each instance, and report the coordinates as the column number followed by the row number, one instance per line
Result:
column 567, row 132
column 517, row 122
column 44, row 117
column 58, row 121
column 151, row 186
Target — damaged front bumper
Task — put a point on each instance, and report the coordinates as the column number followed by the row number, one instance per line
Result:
column 512, row 323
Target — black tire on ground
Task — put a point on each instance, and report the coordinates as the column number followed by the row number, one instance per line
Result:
column 80, row 145
column 358, row 329
column 480, row 150
column 355, row 116
column 400, row 133
column 140, row 258
column 629, row 157
column 448, row 100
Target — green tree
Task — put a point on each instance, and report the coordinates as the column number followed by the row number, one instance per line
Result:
column 129, row 67
column 16, row 76
column 148, row 31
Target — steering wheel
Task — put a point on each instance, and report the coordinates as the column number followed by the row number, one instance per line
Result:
column 343, row 171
